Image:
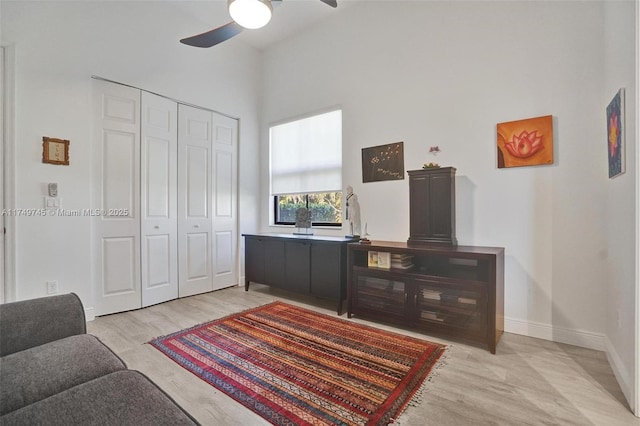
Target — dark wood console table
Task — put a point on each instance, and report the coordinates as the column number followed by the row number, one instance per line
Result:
column 457, row 291
column 306, row 264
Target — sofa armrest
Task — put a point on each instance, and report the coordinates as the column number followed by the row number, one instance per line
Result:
column 34, row 322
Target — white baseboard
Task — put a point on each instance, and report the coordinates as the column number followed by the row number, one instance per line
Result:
column 622, row 374
column 89, row 314
column 582, row 338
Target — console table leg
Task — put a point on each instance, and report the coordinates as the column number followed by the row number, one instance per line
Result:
column 246, row 285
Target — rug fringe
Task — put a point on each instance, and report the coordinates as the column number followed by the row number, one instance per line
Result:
column 418, row 397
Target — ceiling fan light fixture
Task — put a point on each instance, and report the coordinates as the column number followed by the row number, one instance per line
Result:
column 250, row 14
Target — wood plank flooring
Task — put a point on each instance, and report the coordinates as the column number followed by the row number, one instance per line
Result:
column 528, row 382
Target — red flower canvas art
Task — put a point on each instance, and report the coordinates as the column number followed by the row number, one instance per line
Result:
column 615, row 133
column 526, row 142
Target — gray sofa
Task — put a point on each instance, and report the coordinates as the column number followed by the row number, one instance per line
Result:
column 53, row 373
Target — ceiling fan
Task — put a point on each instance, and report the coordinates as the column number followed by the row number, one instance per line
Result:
column 249, row 14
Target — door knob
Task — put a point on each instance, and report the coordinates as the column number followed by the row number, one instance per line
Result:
column 196, row 226
column 156, row 227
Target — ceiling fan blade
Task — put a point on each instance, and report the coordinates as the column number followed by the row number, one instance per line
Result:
column 213, row 37
column 332, row 3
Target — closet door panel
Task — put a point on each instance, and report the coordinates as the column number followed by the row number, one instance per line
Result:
column 160, row 160
column 119, row 272
column 158, row 177
column 116, row 195
column 195, row 184
column 225, row 201
column 224, row 253
column 160, row 264
column 197, row 256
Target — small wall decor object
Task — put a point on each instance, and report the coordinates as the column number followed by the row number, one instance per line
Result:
column 383, row 162
column 434, row 150
column 303, row 221
column 615, row 132
column 431, row 166
column 527, row 142
column 353, row 213
column 55, row 151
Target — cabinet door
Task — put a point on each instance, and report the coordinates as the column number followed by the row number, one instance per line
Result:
column 419, row 206
column 327, row 270
column 459, row 306
column 297, row 260
column 254, row 260
column 274, row 263
column 380, row 296
column 439, row 205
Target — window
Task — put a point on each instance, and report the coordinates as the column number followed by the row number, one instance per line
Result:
column 325, row 208
column 305, row 160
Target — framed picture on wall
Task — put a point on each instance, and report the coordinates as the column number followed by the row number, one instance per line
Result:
column 55, row 151
column 615, row 135
column 383, row 162
column 527, row 142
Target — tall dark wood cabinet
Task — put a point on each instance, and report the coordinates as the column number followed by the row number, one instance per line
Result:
column 432, row 206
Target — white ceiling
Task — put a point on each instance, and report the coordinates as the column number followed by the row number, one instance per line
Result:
column 289, row 18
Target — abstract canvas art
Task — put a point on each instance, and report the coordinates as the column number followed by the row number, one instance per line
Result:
column 383, row 162
column 615, row 134
column 527, row 142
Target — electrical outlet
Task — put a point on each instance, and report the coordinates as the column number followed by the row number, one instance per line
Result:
column 52, row 287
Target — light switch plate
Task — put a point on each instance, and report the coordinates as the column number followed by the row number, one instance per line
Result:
column 51, row 202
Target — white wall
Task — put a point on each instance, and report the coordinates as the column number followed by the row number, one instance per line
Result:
column 621, row 212
column 58, row 46
column 445, row 73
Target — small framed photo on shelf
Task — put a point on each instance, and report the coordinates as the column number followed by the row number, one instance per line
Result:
column 372, row 259
column 55, row 151
column 384, row 260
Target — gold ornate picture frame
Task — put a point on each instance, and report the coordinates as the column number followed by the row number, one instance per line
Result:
column 55, row 151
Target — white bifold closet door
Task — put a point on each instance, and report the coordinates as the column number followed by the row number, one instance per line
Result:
column 172, row 170
column 195, row 183
column 225, row 228
column 207, row 188
column 116, row 197
column 158, row 201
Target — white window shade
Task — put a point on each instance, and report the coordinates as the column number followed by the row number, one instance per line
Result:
column 306, row 155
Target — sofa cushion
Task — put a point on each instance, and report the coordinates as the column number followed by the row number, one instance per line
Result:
column 34, row 322
column 121, row 398
column 37, row 373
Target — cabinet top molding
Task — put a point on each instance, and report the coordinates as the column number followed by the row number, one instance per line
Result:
column 451, row 170
column 431, row 248
column 303, row 237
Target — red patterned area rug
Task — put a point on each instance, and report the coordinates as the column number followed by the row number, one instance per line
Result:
column 294, row 366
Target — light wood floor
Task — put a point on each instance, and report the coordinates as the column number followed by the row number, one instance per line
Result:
column 528, row 381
